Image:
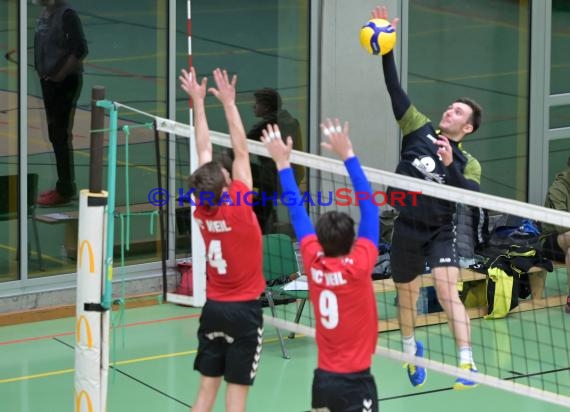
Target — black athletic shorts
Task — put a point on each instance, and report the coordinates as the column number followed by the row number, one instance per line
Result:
column 551, row 249
column 229, row 340
column 416, row 242
column 344, row 392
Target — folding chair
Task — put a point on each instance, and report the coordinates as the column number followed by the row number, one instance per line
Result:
column 279, row 262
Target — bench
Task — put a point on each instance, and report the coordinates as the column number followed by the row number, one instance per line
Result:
column 537, row 279
column 473, row 313
column 465, row 275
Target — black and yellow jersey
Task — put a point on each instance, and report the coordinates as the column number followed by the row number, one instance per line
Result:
column 419, row 158
column 419, row 149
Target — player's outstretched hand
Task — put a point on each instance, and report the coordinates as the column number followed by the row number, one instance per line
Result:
column 279, row 151
column 336, row 138
column 381, row 12
column 190, row 85
column 226, row 89
column 445, row 152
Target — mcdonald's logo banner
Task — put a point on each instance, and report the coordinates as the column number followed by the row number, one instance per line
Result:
column 91, row 328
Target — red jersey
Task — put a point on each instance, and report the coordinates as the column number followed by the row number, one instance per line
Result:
column 234, row 261
column 340, row 289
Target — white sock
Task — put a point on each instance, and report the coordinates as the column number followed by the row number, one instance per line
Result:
column 466, row 356
column 409, row 345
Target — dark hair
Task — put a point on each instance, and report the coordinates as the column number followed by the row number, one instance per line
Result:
column 477, row 111
column 270, row 98
column 335, row 232
column 208, row 178
column 226, row 159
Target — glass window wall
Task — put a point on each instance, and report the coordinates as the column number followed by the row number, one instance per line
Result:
column 559, row 157
column 123, row 49
column 478, row 50
column 560, row 58
column 266, row 44
column 560, row 116
column 9, row 165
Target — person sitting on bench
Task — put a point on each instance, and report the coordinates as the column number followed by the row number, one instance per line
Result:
column 556, row 243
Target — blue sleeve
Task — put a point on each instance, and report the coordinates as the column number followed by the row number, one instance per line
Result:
column 299, row 217
column 369, row 227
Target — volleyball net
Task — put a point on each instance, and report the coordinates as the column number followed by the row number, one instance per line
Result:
column 514, row 298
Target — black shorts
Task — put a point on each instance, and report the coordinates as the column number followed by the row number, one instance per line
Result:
column 415, row 243
column 551, row 249
column 229, row 340
column 344, row 392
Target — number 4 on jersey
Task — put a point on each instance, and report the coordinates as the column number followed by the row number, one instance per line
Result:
column 215, row 258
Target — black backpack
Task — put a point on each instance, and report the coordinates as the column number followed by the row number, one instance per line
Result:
column 513, row 230
column 382, row 267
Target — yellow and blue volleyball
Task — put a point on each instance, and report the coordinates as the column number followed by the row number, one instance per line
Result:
column 378, row 36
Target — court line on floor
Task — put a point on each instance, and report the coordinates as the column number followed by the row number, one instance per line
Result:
column 149, row 386
column 519, row 375
column 533, row 374
column 36, row 376
column 57, row 335
column 119, row 363
column 152, row 387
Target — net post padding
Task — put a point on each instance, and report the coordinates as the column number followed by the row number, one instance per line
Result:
column 91, row 323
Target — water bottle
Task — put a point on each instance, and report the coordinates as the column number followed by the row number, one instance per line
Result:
column 422, row 304
column 63, row 253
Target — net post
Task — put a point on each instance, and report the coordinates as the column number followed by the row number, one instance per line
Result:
column 91, row 348
column 96, row 149
column 163, row 251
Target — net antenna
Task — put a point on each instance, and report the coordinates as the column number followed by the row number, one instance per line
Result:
column 198, row 298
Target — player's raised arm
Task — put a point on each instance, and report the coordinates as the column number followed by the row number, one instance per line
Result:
column 226, row 94
column 280, row 152
column 197, row 91
column 398, row 97
column 338, row 141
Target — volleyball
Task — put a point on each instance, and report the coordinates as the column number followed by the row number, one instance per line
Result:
column 377, row 36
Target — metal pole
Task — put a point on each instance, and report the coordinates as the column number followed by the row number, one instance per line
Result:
column 163, row 255
column 96, row 151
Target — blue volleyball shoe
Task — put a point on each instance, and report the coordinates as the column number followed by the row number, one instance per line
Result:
column 461, row 383
column 417, row 374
